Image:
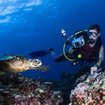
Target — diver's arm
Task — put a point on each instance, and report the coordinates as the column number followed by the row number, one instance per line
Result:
column 100, row 59
column 101, row 56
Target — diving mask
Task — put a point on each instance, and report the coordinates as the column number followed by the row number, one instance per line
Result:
column 93, row 33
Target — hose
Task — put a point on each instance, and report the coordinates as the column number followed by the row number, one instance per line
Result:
column 65, row 44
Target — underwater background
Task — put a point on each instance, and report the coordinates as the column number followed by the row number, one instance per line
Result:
column 31, row 25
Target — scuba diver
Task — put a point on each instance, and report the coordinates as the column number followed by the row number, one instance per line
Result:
column 73, row 55
column 86, row 46
column 41, row 53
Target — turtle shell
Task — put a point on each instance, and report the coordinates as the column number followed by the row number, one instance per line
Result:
column 6, row 58
column 10, row 57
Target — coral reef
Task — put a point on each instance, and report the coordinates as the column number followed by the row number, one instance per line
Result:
column 86, row 89
column 18, row 90
column 91, row 91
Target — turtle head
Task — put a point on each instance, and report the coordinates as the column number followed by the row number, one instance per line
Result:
column 35, row 63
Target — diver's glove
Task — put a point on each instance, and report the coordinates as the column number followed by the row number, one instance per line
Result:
column 94, row 69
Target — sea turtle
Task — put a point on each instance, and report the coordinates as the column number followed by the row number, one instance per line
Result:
column 15, row 64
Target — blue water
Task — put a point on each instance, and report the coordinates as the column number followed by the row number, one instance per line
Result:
column 29, row 25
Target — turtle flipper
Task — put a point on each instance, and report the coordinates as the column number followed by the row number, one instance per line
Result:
column 42, row 68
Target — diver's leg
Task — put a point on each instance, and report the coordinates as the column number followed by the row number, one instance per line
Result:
column 60, row 58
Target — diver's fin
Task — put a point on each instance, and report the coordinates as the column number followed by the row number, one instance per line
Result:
column 50, row 50
column 41, row 53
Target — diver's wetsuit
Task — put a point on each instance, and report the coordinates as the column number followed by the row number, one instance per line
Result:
column 89, row 54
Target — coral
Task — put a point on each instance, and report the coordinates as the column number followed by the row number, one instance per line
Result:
column 18, row 90
column 89, row 92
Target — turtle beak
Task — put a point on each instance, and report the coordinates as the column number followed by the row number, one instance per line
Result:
column 38, row 62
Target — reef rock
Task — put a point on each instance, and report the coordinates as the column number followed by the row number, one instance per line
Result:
column 90, row 91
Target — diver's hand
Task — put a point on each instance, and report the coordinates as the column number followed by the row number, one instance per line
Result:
column 93, row 69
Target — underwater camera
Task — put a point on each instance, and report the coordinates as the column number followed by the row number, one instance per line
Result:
column 77, row 40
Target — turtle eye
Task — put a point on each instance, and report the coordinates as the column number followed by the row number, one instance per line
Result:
column 36, row 60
